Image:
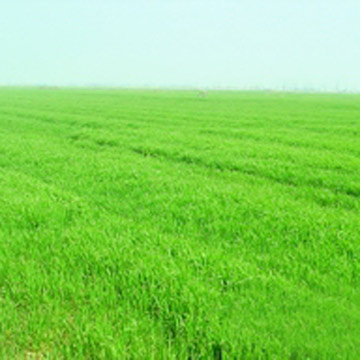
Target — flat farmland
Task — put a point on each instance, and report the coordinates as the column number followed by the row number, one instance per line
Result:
column 147, row 224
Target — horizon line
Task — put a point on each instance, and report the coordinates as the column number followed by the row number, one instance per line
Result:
column 283, row 89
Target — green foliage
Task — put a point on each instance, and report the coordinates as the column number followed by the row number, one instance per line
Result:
column 168, row 225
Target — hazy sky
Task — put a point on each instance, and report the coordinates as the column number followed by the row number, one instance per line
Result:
column 200, row 43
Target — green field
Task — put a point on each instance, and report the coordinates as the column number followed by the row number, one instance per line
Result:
column 170, row 225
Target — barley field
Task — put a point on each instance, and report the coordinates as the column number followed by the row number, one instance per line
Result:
column 148, row 224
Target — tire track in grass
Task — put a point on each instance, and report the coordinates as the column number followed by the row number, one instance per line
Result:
column 287, row 141
column 190, row 160
column 83, row 122
column 105, row 143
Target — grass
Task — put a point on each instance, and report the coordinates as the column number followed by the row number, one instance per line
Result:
column 168, row 225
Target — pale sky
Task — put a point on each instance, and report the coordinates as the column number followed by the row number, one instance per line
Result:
column 181, row 43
